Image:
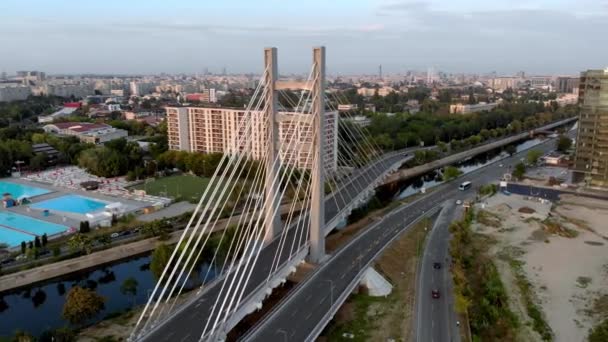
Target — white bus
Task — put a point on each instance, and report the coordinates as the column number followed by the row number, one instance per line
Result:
column 465, row 185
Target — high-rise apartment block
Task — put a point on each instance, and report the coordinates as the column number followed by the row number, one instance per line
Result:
column 209, row 130
column 565, row 84
column 592, row 143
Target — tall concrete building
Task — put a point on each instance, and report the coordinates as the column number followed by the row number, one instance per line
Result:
column 209, row 130
column 565, row 84
column 591, row 159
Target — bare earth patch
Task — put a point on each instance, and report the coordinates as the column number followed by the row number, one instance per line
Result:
column 563, row 258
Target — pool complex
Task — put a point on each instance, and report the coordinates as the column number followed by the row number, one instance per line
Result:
column 15, row 228
column 71, row 204
column 20, row 190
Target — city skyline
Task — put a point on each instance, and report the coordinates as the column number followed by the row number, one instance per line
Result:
column 538, row 37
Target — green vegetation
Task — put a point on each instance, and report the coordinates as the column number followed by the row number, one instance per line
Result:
column 563, row 143
column 187, row 187
column 533, row 156
column 488, row 189
column 81, row 304
column 423, row 157
column 160, row 259
column 519, row 171
column 599, row 333
column 527, row 292
column 478, row 290
column 451, row 172
column 461, row 131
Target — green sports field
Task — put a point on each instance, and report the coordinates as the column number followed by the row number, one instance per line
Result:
column 185, row 187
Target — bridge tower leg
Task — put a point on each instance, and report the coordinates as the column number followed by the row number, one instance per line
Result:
column 273, row 224
column 317, row 210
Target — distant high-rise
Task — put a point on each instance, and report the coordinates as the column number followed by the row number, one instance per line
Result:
column 224, row 71
column 591, row 158
column 430, row 75
column 380, row 71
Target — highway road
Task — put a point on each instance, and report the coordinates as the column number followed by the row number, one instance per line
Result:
column 435, row 317
column 188, row 323
column 302, row 315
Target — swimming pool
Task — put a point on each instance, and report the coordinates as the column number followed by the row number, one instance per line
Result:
column 15, row 228
column 71, row 203
column 19, row 190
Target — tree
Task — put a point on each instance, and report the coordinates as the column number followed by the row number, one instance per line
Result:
column 129, row 287
column 80, row 243
column 450, row 172
column 563, row 143
column 599, row 333
column 23, row 247
column 84, row 227
column 82, row 304
column 519, row 171
column 45, row 239
column 37, row 243
column 160, row 259
column 511, row 149
column 533, row 156
column 38, row 162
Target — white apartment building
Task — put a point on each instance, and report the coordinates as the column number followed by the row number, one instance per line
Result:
column 14, row 92
column 216, row 130
column 504, row 83
column 472, row 108
column 78, row 90
column 141, row 88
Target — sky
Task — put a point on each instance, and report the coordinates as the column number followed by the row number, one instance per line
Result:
column 187, row 36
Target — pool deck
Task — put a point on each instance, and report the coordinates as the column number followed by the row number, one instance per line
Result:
column 67, row 219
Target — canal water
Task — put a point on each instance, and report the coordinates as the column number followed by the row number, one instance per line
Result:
column 414, row 185
column 38, row 308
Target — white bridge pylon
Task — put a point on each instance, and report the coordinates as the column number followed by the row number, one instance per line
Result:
column 317, row 95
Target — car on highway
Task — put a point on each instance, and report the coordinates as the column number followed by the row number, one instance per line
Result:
column 436, row 265
column 435, row 294
column 458, row 202
column 500, row 165
column 114, row 235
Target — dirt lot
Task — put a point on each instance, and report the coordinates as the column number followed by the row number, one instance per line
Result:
column 553, row 257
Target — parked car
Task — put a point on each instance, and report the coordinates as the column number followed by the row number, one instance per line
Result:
column 436, row 265
column 114, row 235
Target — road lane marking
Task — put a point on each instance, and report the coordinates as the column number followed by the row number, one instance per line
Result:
column 185, row 338
column 308, row 316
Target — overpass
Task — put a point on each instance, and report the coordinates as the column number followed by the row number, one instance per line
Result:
column 455, row 158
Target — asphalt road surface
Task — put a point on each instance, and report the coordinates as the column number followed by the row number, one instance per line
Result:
column 435, row 317
column 306, row 308
column 188, row 323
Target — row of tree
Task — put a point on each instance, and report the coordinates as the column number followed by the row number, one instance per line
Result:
column 404, row 130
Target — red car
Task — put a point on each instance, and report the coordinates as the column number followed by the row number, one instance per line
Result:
column 435, row 294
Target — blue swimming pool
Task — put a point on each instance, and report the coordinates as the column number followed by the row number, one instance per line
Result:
column 19, row 190
column 15, row 228
column 71, row 203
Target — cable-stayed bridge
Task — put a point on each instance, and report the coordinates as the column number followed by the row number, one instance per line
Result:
column 321, row 184
column 264, row 249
